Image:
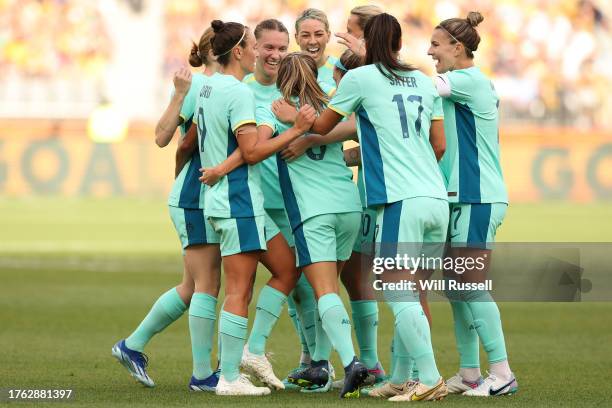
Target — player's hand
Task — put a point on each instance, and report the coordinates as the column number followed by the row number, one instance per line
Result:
column 352, row 43
column 182, row 81
column 211, row 175
column 297, row 148
column 283, row 111
column 305, row 118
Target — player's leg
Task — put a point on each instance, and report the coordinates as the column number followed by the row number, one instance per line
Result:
column 168, row 308
column 404, row 226
column 484, row 219
column 279, row 259
column 204, row 262
column 242, row 240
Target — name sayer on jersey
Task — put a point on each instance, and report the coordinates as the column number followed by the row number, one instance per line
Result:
column 404, row 81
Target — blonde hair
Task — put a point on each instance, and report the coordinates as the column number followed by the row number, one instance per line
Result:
column 314, row 14
column 365, row 13
column 297, row 77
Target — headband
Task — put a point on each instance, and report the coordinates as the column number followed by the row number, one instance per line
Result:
column 340, row 66
column 453, row 37
column 234, row 46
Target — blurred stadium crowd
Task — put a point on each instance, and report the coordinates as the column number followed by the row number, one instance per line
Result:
column 550, row 59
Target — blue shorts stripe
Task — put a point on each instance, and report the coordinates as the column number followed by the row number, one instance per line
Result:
column 469, row 167
column 390, row 229
column 194, row 224
column 374, row 175
column 238, row 191
column 190, row 191
column 247, row 234
column 480, row 218
column 301, row 246
column 293, row 210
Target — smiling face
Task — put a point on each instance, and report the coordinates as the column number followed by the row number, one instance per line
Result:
column 271, row 48
column 352, row 27
column 443, row 52
column 312, row 37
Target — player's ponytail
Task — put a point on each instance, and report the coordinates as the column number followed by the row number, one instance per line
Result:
column 463, row 30
column 297, row 77
column 199, row 52
column 383, row 39
column 226, row 37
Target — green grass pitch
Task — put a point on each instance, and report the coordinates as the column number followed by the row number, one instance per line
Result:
column 76, row 275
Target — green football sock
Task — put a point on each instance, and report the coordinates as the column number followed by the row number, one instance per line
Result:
column 414, row 334
column 466, row 337
column 232, row 330
column 337, row 325
column 269, row 307
column 167, row 309
column 487, row 323
column 365, row 320
column 293, row 315
column 402, row 362
column 307, row 312
column 323, row 346
column 202, row 317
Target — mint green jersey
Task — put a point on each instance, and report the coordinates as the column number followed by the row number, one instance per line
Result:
column 318, row 182
column 393, row 121
column 325, row 76
column 471, row 163
column 264, row 96
column 187, row 190
column 224, row 105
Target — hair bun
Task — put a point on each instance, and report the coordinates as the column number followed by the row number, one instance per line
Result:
column 474, row 18
column 217, row 25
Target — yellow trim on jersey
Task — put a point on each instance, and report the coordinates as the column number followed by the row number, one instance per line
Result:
column 250, row 79
column 438, row 118
column 242, row 123
column 337, row 110
column 268, row 125
column 331, row 92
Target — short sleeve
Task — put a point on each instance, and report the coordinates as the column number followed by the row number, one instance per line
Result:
column 265, row 117
column 461, row 85
column 438, row 111
column 189, row 103
column 327, row 88
column 348, row 95
column 241, row 107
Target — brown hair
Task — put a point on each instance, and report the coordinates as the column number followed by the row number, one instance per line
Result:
column 314, row 14
column 463, row 30
column 270, row 24
column 226, row 37
column 383, row 38
column 365, row 13
column 297, row 76
column 350, row 60
column 199, row 52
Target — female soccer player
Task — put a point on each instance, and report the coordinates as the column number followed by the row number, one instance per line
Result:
column 200, row 286
column 398, row 112
column 478, row 197
column 225, row 118
column 324, row 217
column 312, row 35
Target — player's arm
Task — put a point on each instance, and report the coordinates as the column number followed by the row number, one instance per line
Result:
column 437, row 138
column 185, row 149
column 326, row 121
column 443, row 85
column 352, row 156
column 212, row 175
column 171, row 119
column 343, row 131
column 257, row 143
